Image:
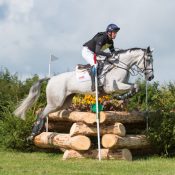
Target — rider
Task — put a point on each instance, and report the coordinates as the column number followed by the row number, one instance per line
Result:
column 94, row 48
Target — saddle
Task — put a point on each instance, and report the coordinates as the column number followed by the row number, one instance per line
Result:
column 90, row 69
column 82, row 66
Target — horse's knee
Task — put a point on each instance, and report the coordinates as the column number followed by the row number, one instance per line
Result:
column 136, row 87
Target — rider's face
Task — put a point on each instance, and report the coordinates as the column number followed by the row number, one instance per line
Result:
column 112, row 35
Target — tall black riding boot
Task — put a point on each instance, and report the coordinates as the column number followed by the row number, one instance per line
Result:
column 93, row 78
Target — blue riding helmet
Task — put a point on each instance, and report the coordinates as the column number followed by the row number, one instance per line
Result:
column 112, row 28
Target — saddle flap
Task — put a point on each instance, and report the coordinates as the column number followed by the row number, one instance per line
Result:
column 81, row 66
column 82, row 74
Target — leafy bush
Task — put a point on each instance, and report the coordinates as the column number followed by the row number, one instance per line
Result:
column 14, row 131
column 161, row 104
column 161, row 107
column 162, row 132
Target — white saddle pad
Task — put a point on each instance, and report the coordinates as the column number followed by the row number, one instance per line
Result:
column 82, row 75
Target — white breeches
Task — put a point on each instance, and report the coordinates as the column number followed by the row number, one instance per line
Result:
column 89, row 56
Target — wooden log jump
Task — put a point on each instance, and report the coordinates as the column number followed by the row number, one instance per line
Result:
column 129, row 141
column 81, row 128
column 120, row 154
column 105, row 117
column 55, row 140
column 124, row 117
column 60, row 126
column 75, row 116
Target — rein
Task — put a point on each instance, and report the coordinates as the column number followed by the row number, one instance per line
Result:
column 133, row 71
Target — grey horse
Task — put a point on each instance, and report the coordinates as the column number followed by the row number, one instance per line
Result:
column 61, row 88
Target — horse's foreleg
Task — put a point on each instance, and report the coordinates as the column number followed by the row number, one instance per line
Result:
column 128, row 90
column 119, row 87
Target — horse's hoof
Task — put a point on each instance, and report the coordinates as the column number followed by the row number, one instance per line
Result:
column 30, row 139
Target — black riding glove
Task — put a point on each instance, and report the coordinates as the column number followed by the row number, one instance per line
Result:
column 115, row 52
column 109, row 55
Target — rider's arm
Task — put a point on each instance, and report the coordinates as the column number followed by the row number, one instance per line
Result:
column 111, row 48
column 98, row 47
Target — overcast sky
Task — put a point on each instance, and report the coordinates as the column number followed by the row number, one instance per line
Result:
column 32, row 30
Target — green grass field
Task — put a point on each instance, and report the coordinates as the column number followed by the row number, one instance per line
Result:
column 17, row 163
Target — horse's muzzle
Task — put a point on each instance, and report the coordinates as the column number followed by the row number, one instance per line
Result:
column 151, row 77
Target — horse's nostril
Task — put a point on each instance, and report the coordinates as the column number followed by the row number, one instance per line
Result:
column 150, row 78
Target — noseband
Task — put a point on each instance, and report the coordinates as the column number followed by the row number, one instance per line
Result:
column 145, row 69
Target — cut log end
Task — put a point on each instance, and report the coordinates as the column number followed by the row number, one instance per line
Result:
column 102, row 117
column 109, row 140
column 41, row 140
column 73, row 129
column 119, row 129
column 80, row 142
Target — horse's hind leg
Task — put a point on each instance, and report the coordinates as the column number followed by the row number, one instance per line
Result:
column 67, row 101
column 40, row 122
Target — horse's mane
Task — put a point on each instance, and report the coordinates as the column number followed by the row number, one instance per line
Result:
column 130, row 49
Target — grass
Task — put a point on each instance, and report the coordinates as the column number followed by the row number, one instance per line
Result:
column 17, row 163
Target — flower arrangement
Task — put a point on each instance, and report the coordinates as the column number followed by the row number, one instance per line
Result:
column 84, row 103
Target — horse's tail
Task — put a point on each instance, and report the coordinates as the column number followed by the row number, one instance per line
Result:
column 32, row 97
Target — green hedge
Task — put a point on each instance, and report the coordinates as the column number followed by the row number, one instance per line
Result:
column 161, row 103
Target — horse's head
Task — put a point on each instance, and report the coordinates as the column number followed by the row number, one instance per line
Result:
column 145, row 64
column 141, row 58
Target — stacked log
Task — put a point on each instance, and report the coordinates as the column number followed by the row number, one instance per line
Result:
column 129, row 141
column 80, row 129
column 120, row 154
column 105, row 117
column 55, row 140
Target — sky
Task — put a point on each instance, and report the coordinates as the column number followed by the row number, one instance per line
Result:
column 32, row 30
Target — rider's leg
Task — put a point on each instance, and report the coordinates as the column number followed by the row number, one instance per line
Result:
column 92, row 73
column 100, row 73
column 89, row 57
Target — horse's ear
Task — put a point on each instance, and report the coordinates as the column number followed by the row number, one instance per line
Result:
column 148, row 49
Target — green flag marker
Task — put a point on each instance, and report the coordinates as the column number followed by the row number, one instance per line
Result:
column 100, row 107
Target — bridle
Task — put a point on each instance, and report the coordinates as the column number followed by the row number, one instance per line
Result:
column 145, row 70
column 134, row 71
